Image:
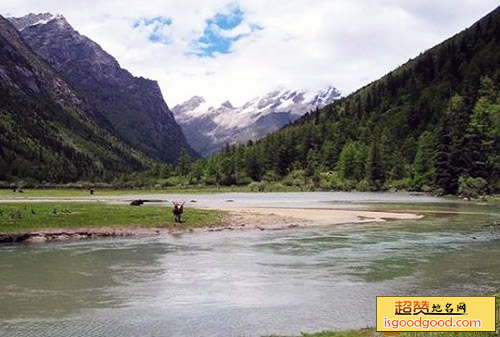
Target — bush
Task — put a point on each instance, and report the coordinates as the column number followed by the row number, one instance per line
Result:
column 364, row 186
column 257, row 186
column 209, row 179
column 27, row 183
column 174, row 181
column 242, row 179
column 74, row 186
column 270, row 176
column 469, row 187
column 339, row 183
column 324, row 183
column 295, row 178
column 401, row 184
column 426, row 188
column 275, row 187
column 126, row 185
column 102, row 185
column 438, row 191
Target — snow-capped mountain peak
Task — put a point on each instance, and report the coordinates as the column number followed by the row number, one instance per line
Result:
column 35, row 19
column 227, row 104
column 208, row 128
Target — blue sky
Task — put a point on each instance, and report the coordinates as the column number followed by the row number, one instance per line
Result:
column 212, row 40
column 217, row 37
column 156, row 26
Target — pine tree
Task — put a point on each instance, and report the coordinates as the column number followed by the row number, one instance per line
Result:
column 312, row 162
column 375, row 166
column 328, row 155
column 184, row 163
column 252, row 165
column 451, row 156
column 282, row 161
column 423, row 165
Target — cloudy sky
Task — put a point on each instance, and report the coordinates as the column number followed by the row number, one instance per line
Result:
column 236, row 50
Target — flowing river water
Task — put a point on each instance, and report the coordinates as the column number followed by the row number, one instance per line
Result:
column 250, row 283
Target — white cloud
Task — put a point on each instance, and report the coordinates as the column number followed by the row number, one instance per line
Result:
column 303, row 43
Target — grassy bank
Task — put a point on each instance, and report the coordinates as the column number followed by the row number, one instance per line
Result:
column 373, row 333
column 74, row 192
column 27, row 217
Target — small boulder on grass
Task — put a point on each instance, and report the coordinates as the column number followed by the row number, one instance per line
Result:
column 137, row 202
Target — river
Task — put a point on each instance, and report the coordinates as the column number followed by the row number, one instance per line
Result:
column 250, row 283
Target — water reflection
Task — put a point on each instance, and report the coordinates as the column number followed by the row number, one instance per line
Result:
column 52, row 280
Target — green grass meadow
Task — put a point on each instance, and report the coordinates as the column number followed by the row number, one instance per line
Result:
column 26, row 217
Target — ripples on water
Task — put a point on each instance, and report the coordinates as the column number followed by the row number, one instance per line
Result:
column 248, row 283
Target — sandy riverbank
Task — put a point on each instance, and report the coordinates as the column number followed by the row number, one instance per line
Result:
column 282, row 216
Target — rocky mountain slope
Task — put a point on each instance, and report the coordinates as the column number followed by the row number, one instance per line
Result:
column 208, row 129
column 47, row 133
column 133, row 107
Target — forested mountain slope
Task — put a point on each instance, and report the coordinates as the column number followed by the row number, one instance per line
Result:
column 47, row 133
column 426, row 125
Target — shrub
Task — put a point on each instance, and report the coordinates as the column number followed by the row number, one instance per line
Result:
column 209, row 179
column 469, row 187
column 295, row 178
column 270, row 176
column 339, row 183
column 257, row 186
column 401, row 184
column 364, row 186
column 173, row 181
column 242, row 179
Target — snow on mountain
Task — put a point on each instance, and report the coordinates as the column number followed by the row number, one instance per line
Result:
column 34, row 19
column 208, row 128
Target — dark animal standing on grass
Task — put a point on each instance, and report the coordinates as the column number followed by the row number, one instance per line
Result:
column 91, row 191
column 178, row 210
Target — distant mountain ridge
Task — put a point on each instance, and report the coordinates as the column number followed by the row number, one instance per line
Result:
column 33, row 19
column 133, row 107
column 47, row 132
column 208, row 129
